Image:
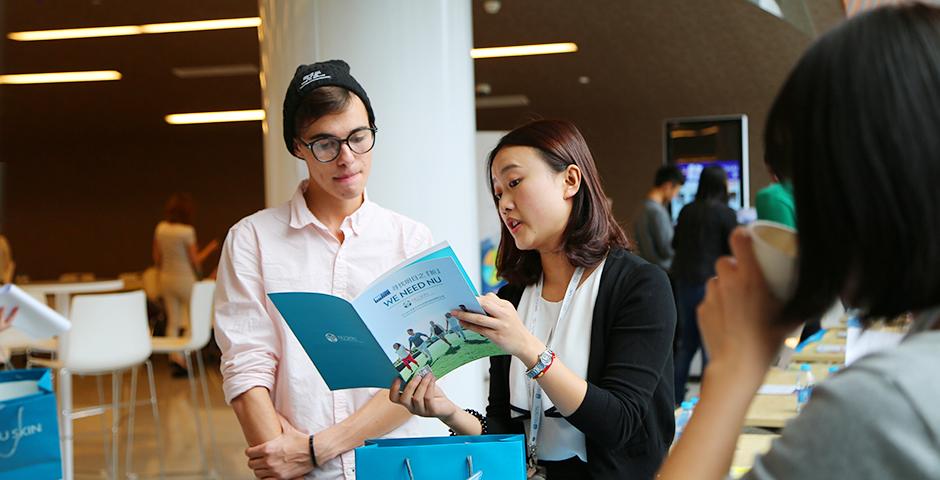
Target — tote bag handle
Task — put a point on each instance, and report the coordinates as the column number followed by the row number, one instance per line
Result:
column 470, row 474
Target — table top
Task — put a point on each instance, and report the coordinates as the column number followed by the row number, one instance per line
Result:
column 749, row 446
column 54, row 286
column 811, row 352
column 770, row 411
column 773, row 411
column 788, row 376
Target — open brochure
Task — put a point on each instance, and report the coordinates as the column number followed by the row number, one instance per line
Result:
column 398, row 326
column 33, row 317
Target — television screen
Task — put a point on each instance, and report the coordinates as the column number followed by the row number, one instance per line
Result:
column 695, row 143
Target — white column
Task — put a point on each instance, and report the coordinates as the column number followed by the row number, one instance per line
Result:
column 413, row 60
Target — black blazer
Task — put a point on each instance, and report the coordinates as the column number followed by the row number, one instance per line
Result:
column 627, row 414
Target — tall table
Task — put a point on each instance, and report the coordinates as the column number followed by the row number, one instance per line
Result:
column 62, row 291
column 774, row 411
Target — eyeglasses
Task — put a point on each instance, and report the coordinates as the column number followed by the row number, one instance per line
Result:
column 326, row 149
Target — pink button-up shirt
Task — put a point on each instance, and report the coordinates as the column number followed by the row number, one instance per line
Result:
column 287, row 248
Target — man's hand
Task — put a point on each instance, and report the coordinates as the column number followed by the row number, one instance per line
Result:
column 283, row 458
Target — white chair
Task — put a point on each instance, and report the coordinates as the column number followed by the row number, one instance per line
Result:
column 109, row 334
column 200, row 319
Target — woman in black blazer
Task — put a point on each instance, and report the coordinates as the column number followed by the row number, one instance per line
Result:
column 607, row 408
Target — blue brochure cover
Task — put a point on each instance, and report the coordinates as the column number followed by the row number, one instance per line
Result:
column 399, row 325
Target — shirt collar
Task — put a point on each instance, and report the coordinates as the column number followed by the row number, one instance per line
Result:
column 301, row 216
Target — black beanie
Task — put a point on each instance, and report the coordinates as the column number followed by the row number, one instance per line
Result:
column 310, row 77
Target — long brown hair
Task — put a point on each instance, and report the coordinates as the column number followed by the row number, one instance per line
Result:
column 180, row 209
column 591, row 231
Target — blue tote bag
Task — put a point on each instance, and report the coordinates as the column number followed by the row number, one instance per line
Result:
column 486, row 457
column 29, row 429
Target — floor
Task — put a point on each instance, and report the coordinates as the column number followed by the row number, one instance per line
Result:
column 180, row 439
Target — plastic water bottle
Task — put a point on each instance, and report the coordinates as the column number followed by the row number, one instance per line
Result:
column 804, row 386
column 683, row 419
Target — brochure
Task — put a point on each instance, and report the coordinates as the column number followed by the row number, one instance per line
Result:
column 33, row 317
column 399, row 326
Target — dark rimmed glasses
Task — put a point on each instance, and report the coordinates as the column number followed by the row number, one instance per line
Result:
column 326, row 149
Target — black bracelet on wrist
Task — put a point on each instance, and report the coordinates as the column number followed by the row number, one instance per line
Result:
column 313, row 453
column 479, row 416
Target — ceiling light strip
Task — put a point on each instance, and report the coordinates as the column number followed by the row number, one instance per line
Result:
column 215, row 117
column 201, row 25
column 60, row 77
column 521, row 50
column 70, row 33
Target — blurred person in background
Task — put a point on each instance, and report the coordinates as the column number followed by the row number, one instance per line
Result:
column 701, row 237
column 180, row 265
column 653, row 229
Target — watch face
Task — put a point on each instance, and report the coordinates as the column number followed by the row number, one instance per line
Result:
column 545, row 357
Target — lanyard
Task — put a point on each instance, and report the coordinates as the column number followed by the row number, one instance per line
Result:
column 536, row 390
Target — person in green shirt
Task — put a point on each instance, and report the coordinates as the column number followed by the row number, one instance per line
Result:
column 775, row 202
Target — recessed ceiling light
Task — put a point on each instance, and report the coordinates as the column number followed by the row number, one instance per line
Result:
column 584, row 80
column 492, row 6
column 520, row 50
column 68, row 33
column 215, row 117
column 60, row 77
column 483, row 88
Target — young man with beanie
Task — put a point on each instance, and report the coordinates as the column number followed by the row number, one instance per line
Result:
column 328, row 238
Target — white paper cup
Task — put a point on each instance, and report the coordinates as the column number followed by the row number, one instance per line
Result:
column 775, row 247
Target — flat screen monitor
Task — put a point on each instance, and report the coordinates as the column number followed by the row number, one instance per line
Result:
column 697, row 142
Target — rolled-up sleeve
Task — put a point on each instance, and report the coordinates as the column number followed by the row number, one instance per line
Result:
column 244, row 330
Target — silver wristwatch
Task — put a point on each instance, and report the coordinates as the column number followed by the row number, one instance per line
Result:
column 545, row 359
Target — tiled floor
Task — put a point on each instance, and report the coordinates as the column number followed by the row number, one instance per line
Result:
column 180, row 441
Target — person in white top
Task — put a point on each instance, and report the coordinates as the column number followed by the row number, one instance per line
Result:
column 178, row 260
column 328, row 238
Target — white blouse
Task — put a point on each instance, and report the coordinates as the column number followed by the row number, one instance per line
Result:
column 571, row 341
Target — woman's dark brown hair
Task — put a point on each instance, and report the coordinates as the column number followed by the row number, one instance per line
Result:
column 592, row 229
column 180, row 209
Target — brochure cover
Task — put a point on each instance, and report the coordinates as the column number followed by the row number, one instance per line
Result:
column 399, row 325
column 33, row 317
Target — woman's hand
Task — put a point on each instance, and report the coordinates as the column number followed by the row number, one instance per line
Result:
column 422, row 397
column 738, row 318
column 7, row 321
column 504, row 328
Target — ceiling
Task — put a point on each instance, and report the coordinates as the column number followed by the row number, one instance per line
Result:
column 134, row 106
column 625, row 47
column 100, row 155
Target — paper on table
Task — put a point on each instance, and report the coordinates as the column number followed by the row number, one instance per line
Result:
column 830, row 348
column 776, row 389
column 34, row 317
